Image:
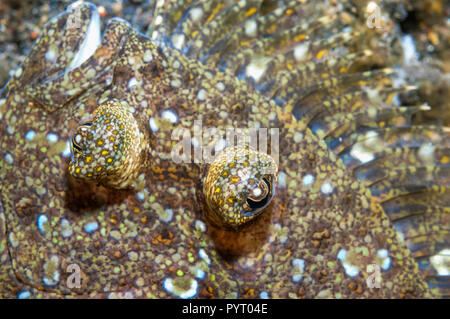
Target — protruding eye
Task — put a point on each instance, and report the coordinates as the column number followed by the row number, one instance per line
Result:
column 239, row 185
column 108, row 148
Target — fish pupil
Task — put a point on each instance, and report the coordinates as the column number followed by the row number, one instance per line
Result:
column 256, row 204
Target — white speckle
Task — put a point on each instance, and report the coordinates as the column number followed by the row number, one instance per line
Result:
column 201, row 95
column 409, row 49
column 167, row 215
column 8, row 158
column 251, row 28
column 282, row 179
column 10, row 130
column 30, row 135
column 41, row 223
column 351, row 270
column 257, row 192
column 24, row 295
column 372, row 6
column 441, row 262
column 178, row 41
column 176, row 83
column 308, row 179
column 383, row 254
column 361, row 153
column 50, row 56
column 158, row 20
column 300, row 51
column 52, row 137
column 342, row 254
column 196, row 14
column 90, row 227
column 133, row 83
column 220, row 145
column 66, row 152
column 426, row 152
column 18, row 72
column 153, row 125
column 199, row 274
column 326, row 188
column 66, row 229
column 148, row 57
column 256, row 68
column 199, row 225
column 299, row 268
column 170, row 116
column 51, row 279
column 298, row 137
column 264, row 295
column 168, row 284
column 220, row 86
column 176, row 64
column 140, row 196
column 13, row 240
column 203, row 255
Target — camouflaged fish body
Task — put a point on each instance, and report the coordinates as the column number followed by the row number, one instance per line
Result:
column 348, row 163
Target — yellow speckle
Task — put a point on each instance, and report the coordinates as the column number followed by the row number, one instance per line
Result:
column 109, row 160
column 112, row 138
column 100, row 142
column 225, row 174
column 99, row 168
column 444, row 160
column 88, row 158
column 109, row 127
column 217, row 190
column 250, row 12
column 122, row 127
column 77, row 170
column 235, row 179
column 105, row 152
column 299, row 37
column 231, row 165
column 289, row 12
column 89, row 175
column 89, row 137
column 245, row 163
column 115, row 132
column 322, row 53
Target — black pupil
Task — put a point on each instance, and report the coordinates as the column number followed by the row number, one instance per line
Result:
column 259, row 204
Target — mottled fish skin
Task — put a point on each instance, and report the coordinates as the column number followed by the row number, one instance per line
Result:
column 316, row 239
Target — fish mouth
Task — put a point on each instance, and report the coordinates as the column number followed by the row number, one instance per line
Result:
column 79, row 39
column 92, row 37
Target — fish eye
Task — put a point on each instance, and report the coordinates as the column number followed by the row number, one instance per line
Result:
column 107, row 148
column 259, row 196
column 238, row 186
